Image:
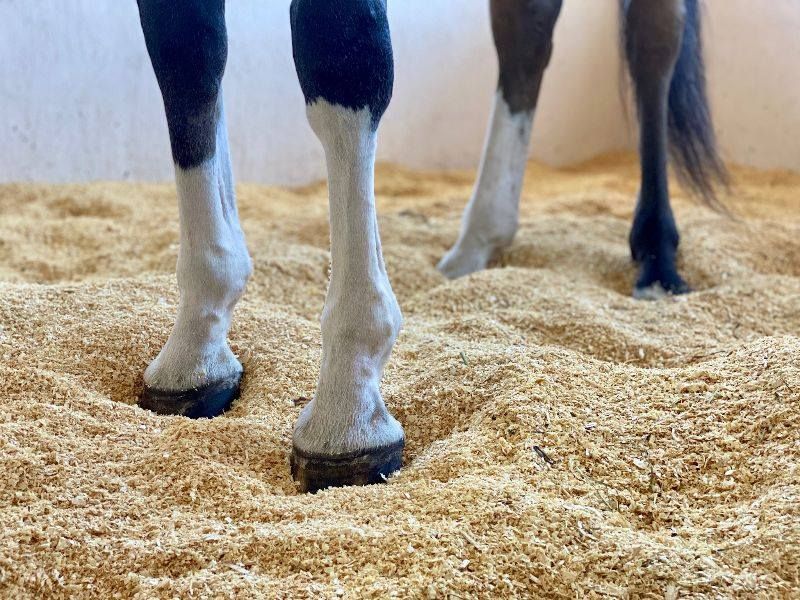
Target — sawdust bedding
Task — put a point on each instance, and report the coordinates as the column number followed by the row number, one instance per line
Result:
column 564, row 440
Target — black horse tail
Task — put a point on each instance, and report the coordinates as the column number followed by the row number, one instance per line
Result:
column 693, row 144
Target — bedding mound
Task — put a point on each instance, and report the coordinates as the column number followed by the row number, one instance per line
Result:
column 564, row 440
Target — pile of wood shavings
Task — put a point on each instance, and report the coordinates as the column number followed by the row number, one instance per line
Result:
column 564, row 440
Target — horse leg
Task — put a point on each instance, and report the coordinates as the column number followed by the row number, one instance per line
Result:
column 346, row 435
column 653, row 32
column 664, row 53
column 196, row 374
column 523, row 33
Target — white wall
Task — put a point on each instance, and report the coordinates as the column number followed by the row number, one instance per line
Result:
column 754, row 64
column 79, row 100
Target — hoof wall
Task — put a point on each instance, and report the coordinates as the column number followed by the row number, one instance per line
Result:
column 315, row 472
column 201, row 403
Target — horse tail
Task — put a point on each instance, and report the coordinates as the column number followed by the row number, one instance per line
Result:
column 693, row 144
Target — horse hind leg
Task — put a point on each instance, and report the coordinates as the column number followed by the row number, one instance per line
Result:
column 523, row 33
column 662, row 47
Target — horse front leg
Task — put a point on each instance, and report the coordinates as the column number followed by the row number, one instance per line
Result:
column 523, row 33
column 346, row 435
column 196, row 374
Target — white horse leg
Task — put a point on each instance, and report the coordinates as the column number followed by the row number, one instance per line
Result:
column 196, row 374
column 346, row 435
column 523, row 31
column 491, row 218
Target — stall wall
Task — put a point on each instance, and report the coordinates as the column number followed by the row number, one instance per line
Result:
column 79, row 101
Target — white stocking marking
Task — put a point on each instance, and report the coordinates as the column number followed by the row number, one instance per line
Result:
column 492, row 215
column 213, row 268
column 361, row 317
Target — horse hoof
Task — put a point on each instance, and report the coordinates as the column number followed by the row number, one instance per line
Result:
column 205, row 402
column 658, row 281
column 459, row 262
column 314, row 472
column 657, row 291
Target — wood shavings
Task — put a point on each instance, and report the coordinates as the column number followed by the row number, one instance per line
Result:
column 563, row 440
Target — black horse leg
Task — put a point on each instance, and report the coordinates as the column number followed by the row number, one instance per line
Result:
column 653, row 36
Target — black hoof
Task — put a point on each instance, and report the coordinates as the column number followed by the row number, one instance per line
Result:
column 315, row 472
column 658, row 281
column 201, row 403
